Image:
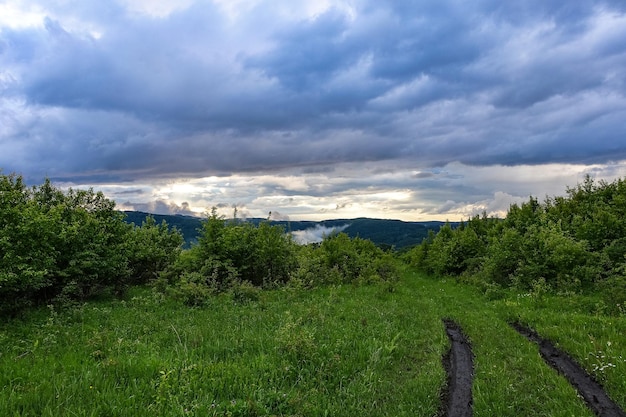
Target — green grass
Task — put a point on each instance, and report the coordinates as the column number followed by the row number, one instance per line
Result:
column 577, row 325
column 337, row 351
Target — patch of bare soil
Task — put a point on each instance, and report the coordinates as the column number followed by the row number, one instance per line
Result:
column 592, row 392
column 457, row 400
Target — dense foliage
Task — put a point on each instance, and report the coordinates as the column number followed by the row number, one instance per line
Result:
column 339, row 259
column 566, row 243
column 187, row 225
column 71, row 245
column 228, row 254
column 238, row 256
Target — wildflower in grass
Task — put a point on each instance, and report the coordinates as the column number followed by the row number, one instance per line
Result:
column 601, row 358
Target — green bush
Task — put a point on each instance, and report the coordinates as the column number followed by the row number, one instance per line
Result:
column 71, row 245
column 566, row 243
column 192, row 290
column 244, row 292
column 454, row 251
column 613, row 292
column 57, row 244
column 339, row 259
column 151, row 249
column 237, row 256
column 232, row 252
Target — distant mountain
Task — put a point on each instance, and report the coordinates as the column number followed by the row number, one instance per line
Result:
column 384, row 233
column 188, row 225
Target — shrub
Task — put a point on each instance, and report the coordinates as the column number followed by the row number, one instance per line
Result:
column 193, row 290
column 567, row 243
column 243, row 292
column 151, row 249
column 54, row 244
column 613, row 292
column 231, row 250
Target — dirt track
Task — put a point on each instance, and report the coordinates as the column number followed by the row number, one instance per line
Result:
column 459, row 364
column 593, row 393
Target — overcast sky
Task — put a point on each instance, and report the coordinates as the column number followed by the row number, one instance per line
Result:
column 312, row 109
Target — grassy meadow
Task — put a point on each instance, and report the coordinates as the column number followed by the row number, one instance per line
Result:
column 371, row 350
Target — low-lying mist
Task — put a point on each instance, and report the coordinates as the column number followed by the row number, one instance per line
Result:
column 316, row 234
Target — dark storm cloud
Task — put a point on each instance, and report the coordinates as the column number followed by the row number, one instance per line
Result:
column 144, row 67
column 309, row 53
column 122, row 94
column 136, row 191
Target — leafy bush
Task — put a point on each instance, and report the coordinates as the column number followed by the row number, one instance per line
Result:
column 230, row 253
column 55, row 243
column 238, row 256
column 151, row 249
column 385, row 268
column 244, row 292
column 339, row 259
column 613, row 291
column 71, row 245
column 454, row 251
column 566, row 243
column 192, row 290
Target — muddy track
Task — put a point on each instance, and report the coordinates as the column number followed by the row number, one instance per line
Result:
column 592, row 392
column 457, row 400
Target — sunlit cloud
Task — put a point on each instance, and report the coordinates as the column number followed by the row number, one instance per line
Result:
column 454, row 192
column 13, row 15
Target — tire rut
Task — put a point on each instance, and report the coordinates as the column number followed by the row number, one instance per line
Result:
column 591, row 391
column 457, row 398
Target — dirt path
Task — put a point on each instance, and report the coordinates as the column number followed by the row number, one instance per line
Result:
column 593, row 393
column 460, row 368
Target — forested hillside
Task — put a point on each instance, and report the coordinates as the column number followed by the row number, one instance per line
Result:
column 384, row 233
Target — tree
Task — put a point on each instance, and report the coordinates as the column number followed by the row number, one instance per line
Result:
column 152, row 248
column 71, row 245
column 229, row 251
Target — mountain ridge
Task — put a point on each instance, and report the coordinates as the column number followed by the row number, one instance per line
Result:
column 385, row 233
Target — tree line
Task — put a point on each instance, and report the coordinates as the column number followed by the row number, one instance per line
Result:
column 73, row 245
column 567, row 243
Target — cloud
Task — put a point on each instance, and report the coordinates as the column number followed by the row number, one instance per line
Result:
column 453, row 192
column 421, row 174
column 316, row 234
column 159, row 207
column 143, row 92
column 496, row 206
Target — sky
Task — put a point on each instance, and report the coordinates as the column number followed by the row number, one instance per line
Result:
column 314, row 109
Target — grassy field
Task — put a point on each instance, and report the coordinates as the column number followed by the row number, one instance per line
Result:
column 333, row 351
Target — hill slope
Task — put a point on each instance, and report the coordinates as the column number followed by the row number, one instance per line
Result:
column 384, row 233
